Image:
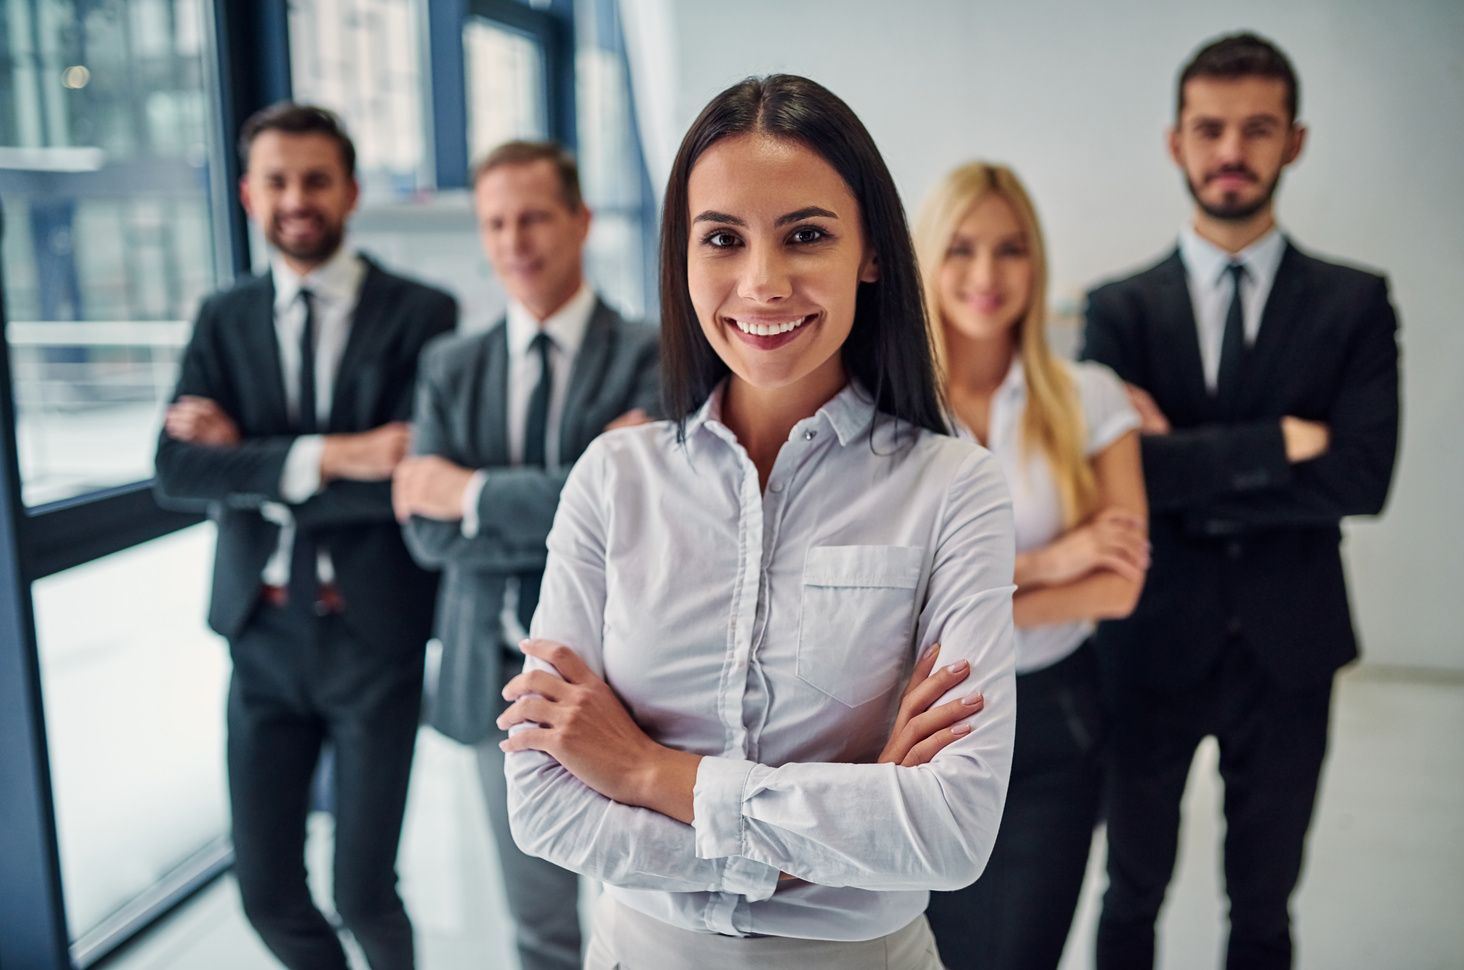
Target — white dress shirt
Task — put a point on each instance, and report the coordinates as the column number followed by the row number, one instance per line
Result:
column 566, row 330
column 772, row 632
column 1036, row 502
column 1207, row 268
column 335, row 286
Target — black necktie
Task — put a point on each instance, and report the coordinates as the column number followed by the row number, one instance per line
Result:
column 536, row 427
column 304, row 568
column 1232, row 344
column 307, row 421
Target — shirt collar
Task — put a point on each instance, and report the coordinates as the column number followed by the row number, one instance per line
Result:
column 848, row 413
column 565, row 326
column 1207, row 262
column 337, row 280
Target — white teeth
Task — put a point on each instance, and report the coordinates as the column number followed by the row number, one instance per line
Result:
column 768, row 329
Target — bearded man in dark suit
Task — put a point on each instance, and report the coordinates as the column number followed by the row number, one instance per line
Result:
column 1267, row 380
column 289, row 419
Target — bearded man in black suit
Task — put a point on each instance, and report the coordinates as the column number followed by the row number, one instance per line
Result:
column 1267, row 380
column 289, row 419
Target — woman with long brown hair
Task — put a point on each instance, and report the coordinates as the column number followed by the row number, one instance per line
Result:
column 1064, row 434
column 712, row 721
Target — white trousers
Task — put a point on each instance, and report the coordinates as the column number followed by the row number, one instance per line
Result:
column 624, row 939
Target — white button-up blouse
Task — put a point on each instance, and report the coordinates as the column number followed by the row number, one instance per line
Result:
column 1036, row 505
column 772, row 632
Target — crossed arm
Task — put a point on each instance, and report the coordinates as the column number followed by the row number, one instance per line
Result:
column 589, row 791
column 1275, row 472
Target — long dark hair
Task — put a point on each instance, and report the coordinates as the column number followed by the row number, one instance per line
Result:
column 888, row 349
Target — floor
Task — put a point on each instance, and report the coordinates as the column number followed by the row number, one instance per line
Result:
column 1383, row 885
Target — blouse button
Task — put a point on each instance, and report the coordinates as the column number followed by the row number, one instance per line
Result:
column 809, row 435
column 775, row 486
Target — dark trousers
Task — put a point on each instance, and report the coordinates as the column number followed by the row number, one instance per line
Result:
column 542, row 897
column 1017, row 915
column 300, row 681
column 1272, row 741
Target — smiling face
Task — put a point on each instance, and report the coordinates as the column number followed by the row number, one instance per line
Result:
column 985, row 280
column 298, row 191
column 1233, row 138
column 532, row 237
column 775, row 257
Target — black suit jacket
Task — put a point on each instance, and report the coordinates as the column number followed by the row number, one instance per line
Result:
column 1244, row 542
column 461, row 415
column 233, row 358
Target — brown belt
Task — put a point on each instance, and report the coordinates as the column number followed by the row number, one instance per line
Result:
column 327, row 600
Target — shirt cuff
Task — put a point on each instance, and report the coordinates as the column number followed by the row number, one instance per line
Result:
column 716, row 805
column 755, row 880
column 471, row 494
column 301, row 476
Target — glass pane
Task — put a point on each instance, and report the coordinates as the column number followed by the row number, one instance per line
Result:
column 505, row 78
column 134, row 687
column 361, row 59
column 109, row 238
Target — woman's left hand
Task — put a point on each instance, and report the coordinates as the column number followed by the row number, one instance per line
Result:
column 582, row 724
column 921, row 730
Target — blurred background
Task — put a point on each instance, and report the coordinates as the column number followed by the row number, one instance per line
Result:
column 117, row 175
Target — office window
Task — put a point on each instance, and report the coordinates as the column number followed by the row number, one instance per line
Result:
column 505, row 86
column 109, row 242
column 362, row 59
column 621, row 252
column 134, row 688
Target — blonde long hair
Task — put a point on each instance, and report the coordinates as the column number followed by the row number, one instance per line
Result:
column 1052, row 423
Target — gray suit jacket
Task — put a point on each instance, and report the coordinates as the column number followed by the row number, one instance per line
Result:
column 461, row 415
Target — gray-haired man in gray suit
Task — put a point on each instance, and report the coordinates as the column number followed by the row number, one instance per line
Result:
column 500, row 418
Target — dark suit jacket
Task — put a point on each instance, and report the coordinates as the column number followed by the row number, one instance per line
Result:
column 462, row 416
column 1243, row 542
column 233, row 358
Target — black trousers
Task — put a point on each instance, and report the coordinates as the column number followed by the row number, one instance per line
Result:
column 299, row 681
column 1017, row 915
column 1272, row 740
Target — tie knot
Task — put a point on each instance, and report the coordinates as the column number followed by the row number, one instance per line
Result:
column 1237, row 273
column 541, row 344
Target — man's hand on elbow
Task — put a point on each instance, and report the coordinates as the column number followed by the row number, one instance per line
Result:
column 429, row 486
column 1305, row 440
column 1151, row 418
column 366, row 456
column 200, row 421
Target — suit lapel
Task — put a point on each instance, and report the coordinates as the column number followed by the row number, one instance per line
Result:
column 1181, row 336
column 494, row 425
column 359, row 373
column 263, row 345
column 1279, row 319
column 584, row 380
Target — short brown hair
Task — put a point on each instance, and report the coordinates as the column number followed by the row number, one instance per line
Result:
column 297, row 119
column 528, row 152
column 1237, row 56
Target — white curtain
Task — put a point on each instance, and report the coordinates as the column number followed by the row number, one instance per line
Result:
column 649, row 30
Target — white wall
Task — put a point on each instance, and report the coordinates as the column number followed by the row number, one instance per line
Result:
column 1076, row 95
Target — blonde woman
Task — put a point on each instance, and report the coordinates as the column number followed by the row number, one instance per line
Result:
column 1064, row 434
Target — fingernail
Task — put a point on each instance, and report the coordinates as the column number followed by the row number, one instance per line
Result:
column 959, row 667
column 960, row 729
column 973, row 698
column 930, row 651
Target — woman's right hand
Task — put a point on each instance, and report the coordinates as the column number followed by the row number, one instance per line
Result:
column 921, row 730
column 1116, row 539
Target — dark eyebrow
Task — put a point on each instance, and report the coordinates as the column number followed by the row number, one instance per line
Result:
column 804, row 213
column 710, row 216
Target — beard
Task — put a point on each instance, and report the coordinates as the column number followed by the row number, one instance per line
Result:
column 318, row 251
column 1231, row 208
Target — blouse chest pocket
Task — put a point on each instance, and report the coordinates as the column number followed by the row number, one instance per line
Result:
column 857, row 617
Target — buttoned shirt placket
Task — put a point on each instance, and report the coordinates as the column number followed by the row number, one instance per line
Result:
column 760, row 517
